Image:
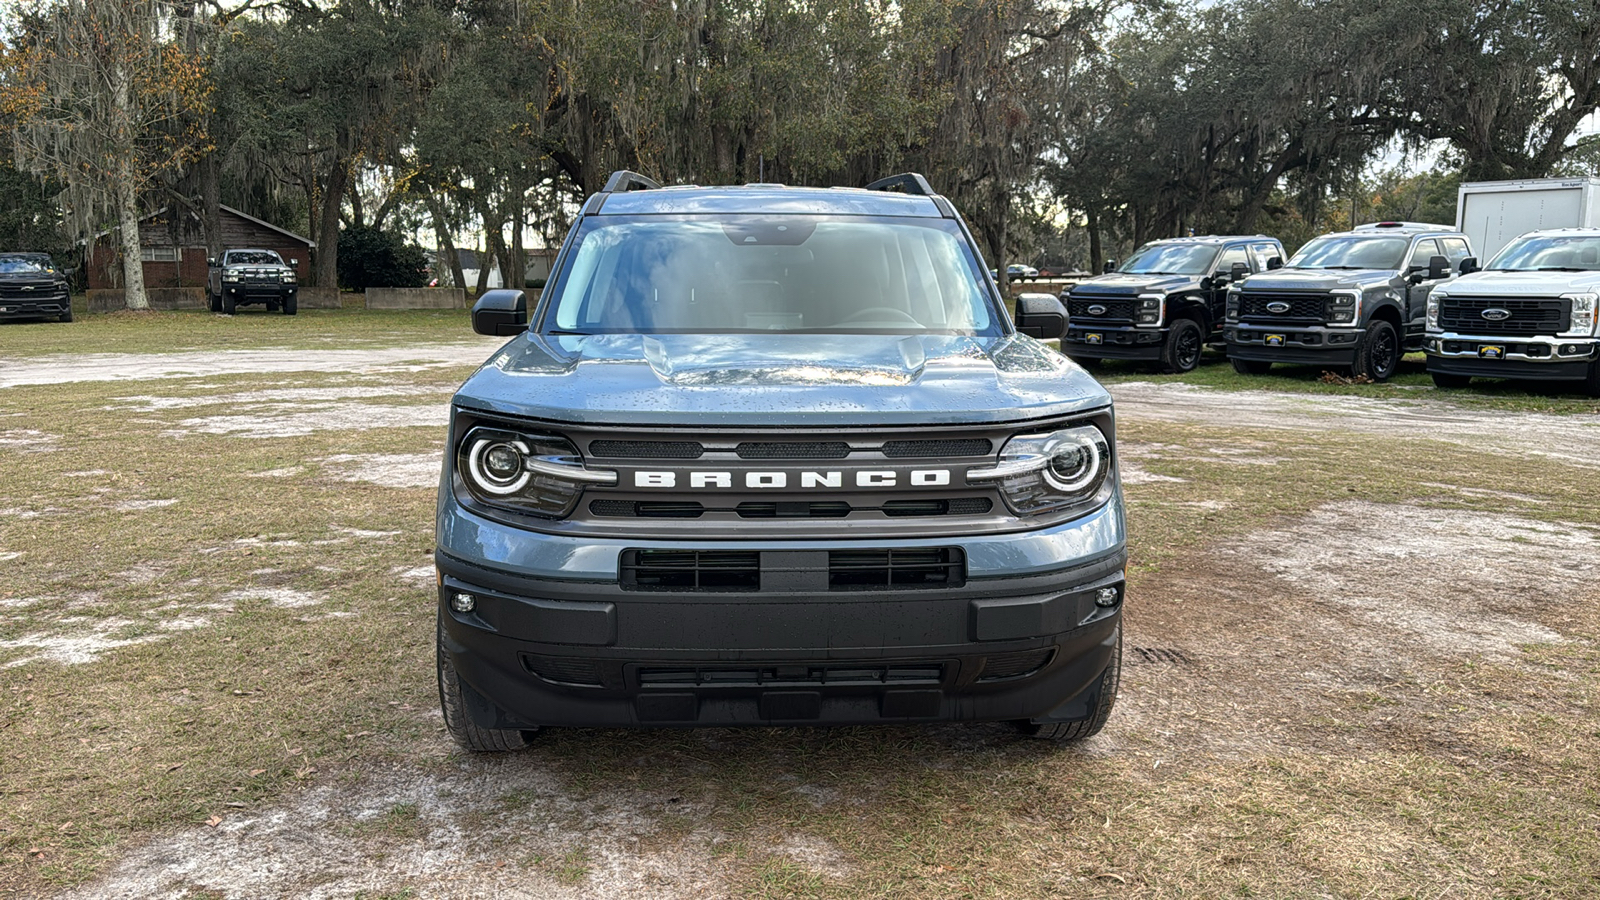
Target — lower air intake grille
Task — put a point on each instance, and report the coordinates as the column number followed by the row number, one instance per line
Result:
column 691, row 570
column 647, row 509
column 933, row 567
column 801, row 674
column 1015, row 665
column 563, row 670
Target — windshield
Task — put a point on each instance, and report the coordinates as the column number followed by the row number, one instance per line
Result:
column 1350, row 252
column 729, row 274
column 1572, row 253
column 22, row 265
column 1170, row 259
column 253, row 258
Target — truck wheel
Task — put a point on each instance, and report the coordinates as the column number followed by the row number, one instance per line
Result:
column 459, row 723
column 1083, row 728
column 1181, row 353
column 291, row 306
column 1591, row 385
column 1251, row 366
column 1450, row 382
column 216, row 302
column 227, row 304
column 67, row 316
column 1378, row 353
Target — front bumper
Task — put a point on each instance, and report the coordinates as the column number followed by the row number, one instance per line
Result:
column 1113, row 342
column 32, row 308
column 259, row 292
column 1535, row 357
column 1303, row 344
column 539, row 651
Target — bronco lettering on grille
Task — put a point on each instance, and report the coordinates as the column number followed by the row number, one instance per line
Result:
column 866, row 478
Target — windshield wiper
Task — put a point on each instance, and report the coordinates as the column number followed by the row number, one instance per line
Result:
column 577, row 333
column 1557, row 269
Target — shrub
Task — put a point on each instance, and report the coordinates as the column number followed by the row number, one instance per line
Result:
column 370, row 257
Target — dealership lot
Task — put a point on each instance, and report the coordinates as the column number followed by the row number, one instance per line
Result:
column 1362, row 655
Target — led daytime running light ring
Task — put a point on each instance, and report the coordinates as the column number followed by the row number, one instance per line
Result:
column 1091, row 472
column 490, row 485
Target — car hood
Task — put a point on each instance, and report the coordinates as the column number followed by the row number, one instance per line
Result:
column 1318, row 279
column 1116, row 284
column 780, row 380
column 1530, row 284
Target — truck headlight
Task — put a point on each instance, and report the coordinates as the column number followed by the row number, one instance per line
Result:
column 1433, row 308
column 1232, row 307
column 230, row 276
column 537, row 474
column 1150, row 310
column 1585, row 313
column 288, row 277
column 1041, row 473
column 1346, row 309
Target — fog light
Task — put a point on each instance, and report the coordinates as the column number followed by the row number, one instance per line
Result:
column 463, row 603
column 1107, row 597
column 1570, row 349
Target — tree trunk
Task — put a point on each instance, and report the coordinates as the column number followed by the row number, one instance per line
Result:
column 211, row 198
column 1097, row 253
column 132, row 264
column 328, row 234
column 518, row 277
column 447, row 244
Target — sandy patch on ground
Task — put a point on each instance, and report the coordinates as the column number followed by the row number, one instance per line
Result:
column 26, row 440
column 1572, row 439
column 65, row 369
column 137, row 505
column 278, row 396
column 1436, row 580
column 83, row 640
column 280, row 597
column 498, row 828
column 291, row 421
column 396, row 470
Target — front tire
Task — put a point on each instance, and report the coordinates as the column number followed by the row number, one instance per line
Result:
column 216, row 301
column 291, row 306
column 1067, row 732
column 1591, row 385
column 1378, row 353
column 1181, row 353
column 459, row 722
column 1449, row 382
column 227, row 304
column 67, row 316
column 1251, row 366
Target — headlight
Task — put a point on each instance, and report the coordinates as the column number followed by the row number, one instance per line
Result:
column 1150, row 308
column 1233, row 301
column 1346, row 308
column 1041, row 473
column 1433, row 308
column 288, row 277
column 1584, row 314
column 540, row 475
column 230, row 276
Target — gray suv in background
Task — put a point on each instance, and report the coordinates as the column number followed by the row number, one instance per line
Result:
column 1165, row 303
column 767, row 455
column 1356, row 299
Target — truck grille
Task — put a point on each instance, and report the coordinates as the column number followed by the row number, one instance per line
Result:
column 1529, row 316
column 1302, row 307
column 774, row 675
column 1119, row 309
column 832, row 570
column 30, row 291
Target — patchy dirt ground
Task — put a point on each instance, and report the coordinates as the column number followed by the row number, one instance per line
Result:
column 1339, row 683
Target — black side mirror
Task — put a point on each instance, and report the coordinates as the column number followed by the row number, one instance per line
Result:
column 500, row 313
column 1212, row 282
column 1041, row 316
column 1274, row 262
column 1238, row 273
column 1109, row 267
column 211, row 261
column 1438, row 267
column 295, row 263
column 1468, row 265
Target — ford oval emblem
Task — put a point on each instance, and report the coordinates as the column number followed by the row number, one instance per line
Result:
column 1496, row 314
column 1277, row 306
column 1096, row 310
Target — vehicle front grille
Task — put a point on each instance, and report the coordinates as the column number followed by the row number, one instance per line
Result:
column 777, row 675
column 691, row 570
column 646, row 449
column 937, row 449
column 834, row 570
column 792, row 509
column 26, row 291
column 1302, row 307
column 1529, row 316
column 793, row 450
column 930, row 567
column 1119, row 309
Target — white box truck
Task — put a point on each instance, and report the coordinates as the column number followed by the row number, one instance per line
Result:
column 1494, row 213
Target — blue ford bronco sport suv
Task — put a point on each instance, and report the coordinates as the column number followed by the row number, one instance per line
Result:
column 767, row 455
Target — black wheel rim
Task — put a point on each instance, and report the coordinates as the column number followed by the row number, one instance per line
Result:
column 1188, row 349
column 1383, row 353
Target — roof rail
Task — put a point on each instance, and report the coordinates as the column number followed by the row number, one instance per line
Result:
column 908, row 182
column 623, row 180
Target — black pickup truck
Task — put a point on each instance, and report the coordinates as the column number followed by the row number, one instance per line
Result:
column 1165, row 303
